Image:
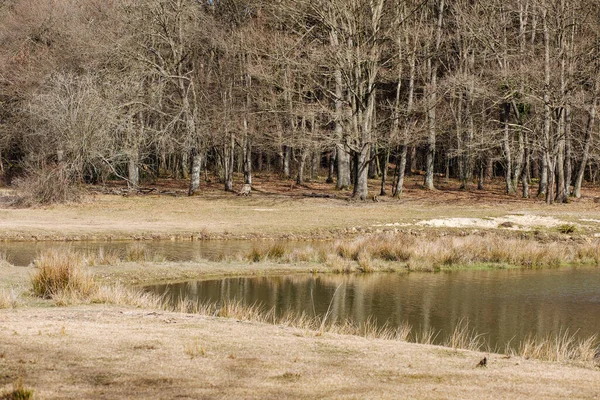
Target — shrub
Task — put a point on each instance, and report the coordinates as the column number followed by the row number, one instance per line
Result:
column 567, row 228
column 50, row 185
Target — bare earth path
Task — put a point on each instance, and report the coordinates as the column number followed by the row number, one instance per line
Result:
column 100, row 352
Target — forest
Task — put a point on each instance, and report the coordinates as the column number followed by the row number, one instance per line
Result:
column 100, row 90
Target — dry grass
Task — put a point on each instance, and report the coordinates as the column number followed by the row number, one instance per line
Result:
column 194, row 349
column 121, row 295
column 112, row 352
column 9, row 298
column 276, row 212
column 463, row 337
column 137, row 252
column 18, row 392
column 103, row 257
column 559, row 347
column 60, row 276
column 401, row 252
column 4, row 261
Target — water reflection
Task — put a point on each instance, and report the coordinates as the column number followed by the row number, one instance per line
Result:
column 504, row 305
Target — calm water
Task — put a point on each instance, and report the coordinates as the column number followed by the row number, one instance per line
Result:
column 23, row 253
column 505, row 305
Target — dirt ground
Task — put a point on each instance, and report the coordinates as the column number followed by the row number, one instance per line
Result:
column 102, row 352
column 280, row 209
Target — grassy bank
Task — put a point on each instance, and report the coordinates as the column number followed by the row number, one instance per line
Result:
column 109, row 340
column 62, row 278
column 407, row 252
column 281, row 213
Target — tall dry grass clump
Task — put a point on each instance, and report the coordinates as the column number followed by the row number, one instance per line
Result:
column 4, row 261
column 19, row 392
column 124, row 296
column 9, row 298
column 429, row 254
column 140, row 252
column 559, row 347
column 102, row 257
column 464, row 337
column 61, row 275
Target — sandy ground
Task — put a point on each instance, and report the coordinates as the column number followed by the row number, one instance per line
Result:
column 100, row 352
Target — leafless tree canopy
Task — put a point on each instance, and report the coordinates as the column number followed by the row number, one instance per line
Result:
column 131, row 89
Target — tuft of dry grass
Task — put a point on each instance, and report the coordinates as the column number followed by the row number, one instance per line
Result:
column 274, row 252
column 103, row 257
column 560, row 347
column 4, row 261
column 9, row 298
column 426, row 336
column 463, row 337
column 124, row 296
column 19, row 392
column 194, row 349
column 137, row 252
column 60, row 275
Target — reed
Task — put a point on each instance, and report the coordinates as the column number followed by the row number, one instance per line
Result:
column 137, row 252
column 8, row 298
column 450, row 252
column 102, row 257
column 121, row 295
column 59, row 274
column 194, row 349
column 464, row 337
column 4, row 261
column 426, row 336
column 18, row 392
column 560, row 347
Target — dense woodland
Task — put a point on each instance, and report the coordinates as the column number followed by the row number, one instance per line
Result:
column 97, row 90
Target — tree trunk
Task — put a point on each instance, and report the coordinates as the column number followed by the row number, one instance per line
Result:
column 361, row 189
column 587, row 141
column 548, row 142
column 505, row 115
column 432, row 71
column 385, row 159
column 133, row 170
column 287, row 152
column 301, row 165
column 185, row 165
column 229, row 162
column 401, row 168
column 195, row 172
column 342, row 150
column 524, row 171
column 247, row 163
column 330, row 166
column 413, row 160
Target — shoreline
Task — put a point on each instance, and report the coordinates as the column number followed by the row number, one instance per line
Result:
column 102, row 351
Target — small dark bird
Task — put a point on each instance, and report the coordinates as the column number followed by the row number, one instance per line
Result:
column 483, row 362
column 597, row 359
